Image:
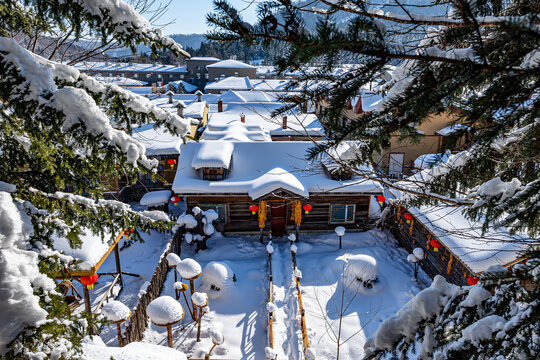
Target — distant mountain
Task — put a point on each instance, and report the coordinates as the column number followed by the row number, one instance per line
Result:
column 189, row 40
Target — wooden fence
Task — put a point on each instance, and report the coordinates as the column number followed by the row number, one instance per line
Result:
column 303, row 326
column 270, row 299
column 139, row 320
column 416, row 235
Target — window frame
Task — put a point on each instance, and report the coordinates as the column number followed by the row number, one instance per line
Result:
column 214, row 207
column 344, row 221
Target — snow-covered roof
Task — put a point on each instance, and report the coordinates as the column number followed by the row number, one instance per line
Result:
column 258, row 168
column 449, row 130
column 194, row 109
column 369, row 98
column 215, row 154
column 260, row 114
column 245, row 83
column 157, row 141
column 111, row 66
column 120, row 81
column 464, row 237
column 154, row 198
column 236, row 131
column 92, row 250
column 428, row 160
column 247, row 96
column 230, row 64
column 203, row 58
column 187, row 86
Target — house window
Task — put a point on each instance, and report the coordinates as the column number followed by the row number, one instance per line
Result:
column 214, row 173
column 135, row 75
column 198, row 75
column 342, row 214
column 220, row 209
column 148, row 76
column 159, row 76
column 170, row 76
column 182, row 76
column 206, row 76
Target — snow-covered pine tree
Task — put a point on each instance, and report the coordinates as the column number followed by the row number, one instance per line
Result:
column 478, row 59
column 61, row 128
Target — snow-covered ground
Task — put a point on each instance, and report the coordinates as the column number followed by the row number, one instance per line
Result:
column 140, row 258
column 241, row 312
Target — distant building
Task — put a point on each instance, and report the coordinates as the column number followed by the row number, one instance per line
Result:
column 231, row 67
column 148, row 73
column 197, row 73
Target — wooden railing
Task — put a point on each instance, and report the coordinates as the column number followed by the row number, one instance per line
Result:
column 271, row 299
column 303, row 326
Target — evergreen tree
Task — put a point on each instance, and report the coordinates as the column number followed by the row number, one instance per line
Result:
column 478, row 59
column 55, row 132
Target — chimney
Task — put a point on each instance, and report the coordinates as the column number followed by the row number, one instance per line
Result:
column 199, row 95
column 180, row 108
column 243, row 118
column 285, row 121
column 220, row 105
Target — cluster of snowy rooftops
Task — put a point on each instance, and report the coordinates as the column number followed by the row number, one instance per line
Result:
column 258, row 168
column 245, row 83
column 103, row 66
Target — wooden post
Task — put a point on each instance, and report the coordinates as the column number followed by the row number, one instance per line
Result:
column 175, row 280
column 169, row 335
column 340, row 242
column 118, row 267
column 297, row 232
column 87, row 305
column 199, row 327
column 119, row 333
column 192, row 289
column 261, row 235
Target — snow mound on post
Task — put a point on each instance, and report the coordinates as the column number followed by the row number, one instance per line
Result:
column 311, row 354
column 360, row 272
column 189, row 269
column 200, row 299
column 211, row 215
column 270, row 248
column 419, row 253
column 340, row 230
column 115, row 311
column 154, row 198
column 217, row 336
column 270, row 353
column 165, row 310
column 292, row 237
column 271, row 307
column 217, row 279
column 187, row 220
column 173, row 259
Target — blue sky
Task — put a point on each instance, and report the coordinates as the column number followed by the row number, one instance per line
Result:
column 190, row 15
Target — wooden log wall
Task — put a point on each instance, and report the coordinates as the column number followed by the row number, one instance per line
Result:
column 240, row 219
column 441, row 262
column 139, row 321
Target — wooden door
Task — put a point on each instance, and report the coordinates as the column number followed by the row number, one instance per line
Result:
column 278, row 218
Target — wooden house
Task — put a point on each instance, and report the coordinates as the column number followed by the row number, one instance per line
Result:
column 454, row 246
column 263, row 186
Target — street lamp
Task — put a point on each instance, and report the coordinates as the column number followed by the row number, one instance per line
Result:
column 340, row 231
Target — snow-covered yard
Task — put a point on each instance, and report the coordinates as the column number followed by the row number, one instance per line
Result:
column 241, row 311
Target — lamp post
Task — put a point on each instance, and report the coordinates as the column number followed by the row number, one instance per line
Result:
column 340, row 231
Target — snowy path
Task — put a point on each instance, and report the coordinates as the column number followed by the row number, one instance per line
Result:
column 286, row 330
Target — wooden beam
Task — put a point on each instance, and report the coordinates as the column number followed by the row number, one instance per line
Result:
column 118, row 267
column 87, row 304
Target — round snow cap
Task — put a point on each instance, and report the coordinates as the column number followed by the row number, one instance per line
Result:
column 189, row 269
column 340, row 230
column 115, row 311
column 165, row 311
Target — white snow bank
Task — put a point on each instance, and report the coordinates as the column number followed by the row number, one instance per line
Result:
column 213, row 154
column 96, row 349
column 200, row 299
column 165, row 310
column 187, row 220
column 217, row 279
column 155, row 198
column 360, row 273
column 426, row 304
column 189, row 269
column 173, row 259
column 115, row 311
column 311, row 354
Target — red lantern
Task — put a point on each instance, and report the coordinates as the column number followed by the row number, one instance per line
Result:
column 472, row 280
column 171, row 162
column 435, row 244
column 89, row 280
column 253, row 208
column 175, row 200
column 381, row 199
column 307, row 208
column 408, row 216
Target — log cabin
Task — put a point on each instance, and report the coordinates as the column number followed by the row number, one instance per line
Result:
column 268, row 186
